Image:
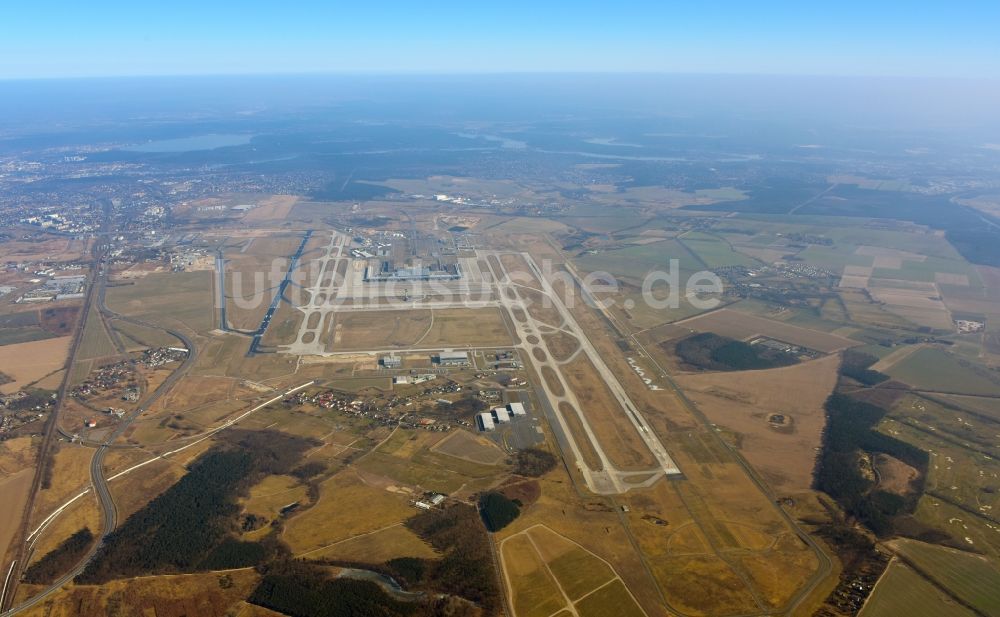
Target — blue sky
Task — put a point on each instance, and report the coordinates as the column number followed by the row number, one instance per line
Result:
column 54, row 38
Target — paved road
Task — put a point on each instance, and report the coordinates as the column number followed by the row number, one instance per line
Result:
column 96, row 265
column 109, row 510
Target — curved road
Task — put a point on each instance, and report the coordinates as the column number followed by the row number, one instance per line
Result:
column 98, row 479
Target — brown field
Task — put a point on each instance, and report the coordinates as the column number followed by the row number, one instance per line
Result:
column 744, row 401
column 619, row 439
column 467, row 446
column 741, row 326
column 541, row 307
column 44, row 247
column 270, row 495
column 14, row 490
column 160, row 596
column 28, row 362
column 347, row 508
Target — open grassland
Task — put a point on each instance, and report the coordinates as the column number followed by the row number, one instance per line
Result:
column 936, row 370
column 168, row 299
column 533, row 590
column 209, row 593
column 407, row 458
column 227, row 355
column 967, row 576
column 378, row 546
column 748, row 403
column 25, row 363
column 96, row 342
column 612, row 600
column 273, row 493
column 470, row 447
column 136, row 337
column 271, row 209
column 741, row 326
column 70, row 475
column 347, row 507
column 901, row 591
column 714, row 251
column 618, row 436
column 14, row 490
column 419, row 327
column 577, row 570
column 85, row 512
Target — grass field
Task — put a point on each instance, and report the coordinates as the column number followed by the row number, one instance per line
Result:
column 168, row 299
column 465, row 445
column 967, row 576
column 741, row 326
column 408, row 459
column 936, row 370
column 546, row 572
column 378, row 547
column 619, row 439
column 714, row 251
column 96, row 342
column 347, row 507
column 901, row 591
column 532, row 588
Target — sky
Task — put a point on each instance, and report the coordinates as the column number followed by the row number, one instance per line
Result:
column 916, row 38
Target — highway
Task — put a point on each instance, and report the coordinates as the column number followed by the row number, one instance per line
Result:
column 109, row 512
column 96, row 267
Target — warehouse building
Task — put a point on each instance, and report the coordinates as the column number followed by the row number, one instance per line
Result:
column 453, row 358
column 486, row 421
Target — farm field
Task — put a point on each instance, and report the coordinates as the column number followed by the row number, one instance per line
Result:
column 901, row 591
column 547, row 572
column 967, row 576
column 935, row 370
column 741, row 326
column 25, row 363
column 714, row 251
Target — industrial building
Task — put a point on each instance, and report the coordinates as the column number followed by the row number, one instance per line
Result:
column 453, row 358
column 486, row 421
column 392, row 361
column 516, row 409
column 501, row 415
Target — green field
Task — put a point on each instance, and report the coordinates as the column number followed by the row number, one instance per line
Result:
column 937, row 370
column 965, row 575
column 901, row 591
column 168, row 298
column 96, row 342
column 714, row 251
